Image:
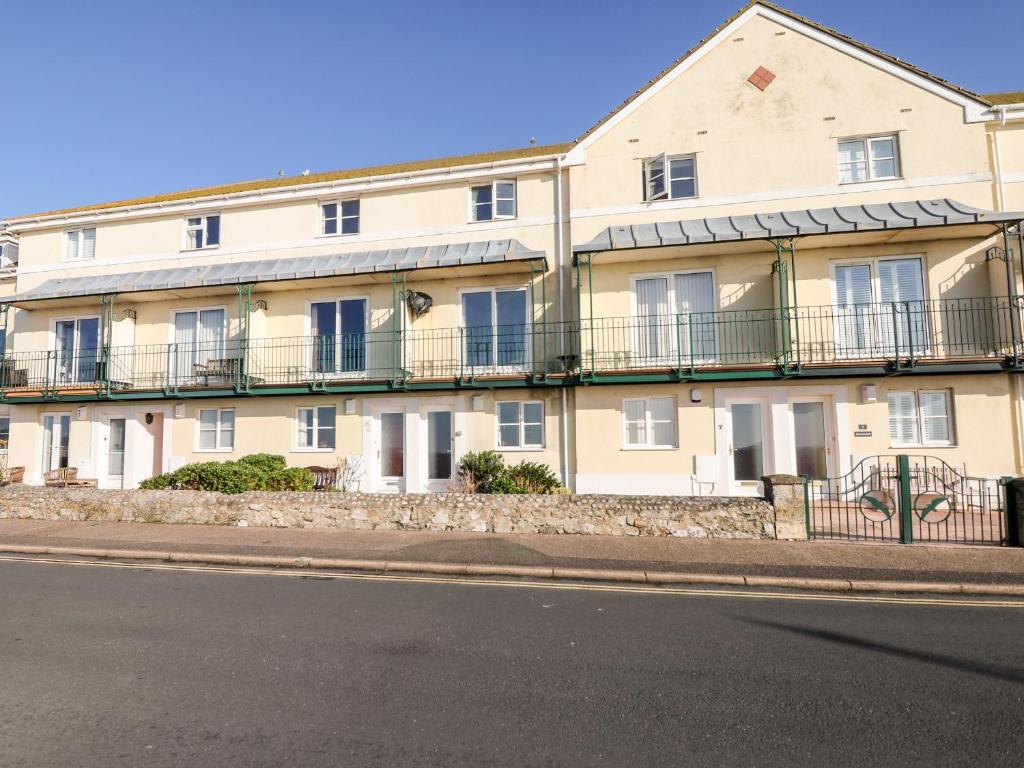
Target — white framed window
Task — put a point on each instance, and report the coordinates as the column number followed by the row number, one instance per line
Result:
column 216, row 429
column 649, row 422
column 340, row 218
column 202, row 232
column 675, row 314
column 521, row 424
column 881, row 307
column 870, row 158
column 81, row 244
column 670, row 177
column 496, row 200
column 316, row 428
column 5, row 433
column 496, row 328
column 923, row 417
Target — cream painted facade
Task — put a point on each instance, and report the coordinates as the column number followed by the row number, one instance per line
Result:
column 583, row 345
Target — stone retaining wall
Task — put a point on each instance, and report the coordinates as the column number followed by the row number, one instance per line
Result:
column 701, row 517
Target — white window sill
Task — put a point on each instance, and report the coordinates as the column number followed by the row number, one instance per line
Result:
column 650, row 447
column 491, row 221
column 671, row 199
column 519, row 448
column 204, row 248
column 921, row 445
column 871, row 181
column 314, row 450
column 326, row 236
column 214, row 450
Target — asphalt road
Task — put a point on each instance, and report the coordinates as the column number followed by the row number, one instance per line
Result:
column 103, row 666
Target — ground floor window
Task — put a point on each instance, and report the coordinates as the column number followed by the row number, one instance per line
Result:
column 650, row 422
column 216, row 429
column 920, row 418
column 521, row 425
column 5, row 432
column 317, row 428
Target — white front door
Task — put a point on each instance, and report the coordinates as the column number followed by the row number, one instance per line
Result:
column 390, row 458
column 750, row 454
column 56, row 434
column 114, row 444
column 813, row 437
column 439, row 450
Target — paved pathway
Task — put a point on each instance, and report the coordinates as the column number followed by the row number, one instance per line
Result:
column 938, row 563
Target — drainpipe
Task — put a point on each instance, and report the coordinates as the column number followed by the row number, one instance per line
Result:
column 1000, row 190
column 559, row 268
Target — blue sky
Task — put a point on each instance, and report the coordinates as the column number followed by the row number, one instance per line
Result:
column 105, row 100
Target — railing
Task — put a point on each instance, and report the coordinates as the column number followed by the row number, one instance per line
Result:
column 896, row 332
column 518, row 351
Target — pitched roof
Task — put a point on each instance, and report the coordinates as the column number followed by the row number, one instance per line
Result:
column 513, row 154
column 802, row 19
column 453, row 161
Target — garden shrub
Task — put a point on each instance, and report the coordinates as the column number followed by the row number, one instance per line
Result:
column 258, row 472
column 480, row 469
column 485, row 472
column 532, row 477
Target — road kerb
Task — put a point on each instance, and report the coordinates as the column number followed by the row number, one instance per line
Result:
column 544, row 572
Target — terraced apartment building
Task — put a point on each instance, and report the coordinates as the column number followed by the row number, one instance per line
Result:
column 785, row 252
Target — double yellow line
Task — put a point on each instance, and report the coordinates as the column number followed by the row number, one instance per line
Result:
column 751, row 593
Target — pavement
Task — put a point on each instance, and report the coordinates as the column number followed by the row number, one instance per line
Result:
column 109, row 665
column 804, row 565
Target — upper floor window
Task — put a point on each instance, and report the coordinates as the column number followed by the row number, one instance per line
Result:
column 670, row 177
column 81, row 244
column 341, row 218
column 202, row 232
column 869, row 159
column 496, row 200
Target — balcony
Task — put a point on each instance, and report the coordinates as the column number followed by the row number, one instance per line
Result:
column 371, row 361
column 884, row 337
column 864, row 339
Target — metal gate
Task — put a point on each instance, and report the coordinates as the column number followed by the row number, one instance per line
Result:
column 907, row 499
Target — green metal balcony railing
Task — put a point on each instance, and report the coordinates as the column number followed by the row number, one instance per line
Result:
column 445, row 354
column 899, row 333
column 733, row 342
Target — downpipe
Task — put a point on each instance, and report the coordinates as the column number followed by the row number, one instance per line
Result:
column 559, row 269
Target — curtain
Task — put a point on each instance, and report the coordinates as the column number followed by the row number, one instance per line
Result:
column 853, row 310
column 903, row 330
column 654, row 324
column 695, row 301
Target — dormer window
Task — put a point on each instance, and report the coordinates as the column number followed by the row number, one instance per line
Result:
column 81, row 244
column 202, row 232
column 496, row 200
column 670, row 177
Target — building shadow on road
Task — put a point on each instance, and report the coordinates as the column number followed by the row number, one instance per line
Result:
column 997, row 671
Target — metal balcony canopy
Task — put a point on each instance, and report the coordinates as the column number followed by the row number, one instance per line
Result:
column 882, row 218
column 275, row 270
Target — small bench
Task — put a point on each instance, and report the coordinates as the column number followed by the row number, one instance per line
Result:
column 66, row 477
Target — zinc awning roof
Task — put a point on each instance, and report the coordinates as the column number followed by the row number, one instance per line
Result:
column 880, row 217
column 275, row 270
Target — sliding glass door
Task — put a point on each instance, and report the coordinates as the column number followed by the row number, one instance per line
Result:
column 675, row 315
column 199, row 337
column 78, row 342
column 496, row 329
column 56, row 439
column 339, row 336
column 880, row 309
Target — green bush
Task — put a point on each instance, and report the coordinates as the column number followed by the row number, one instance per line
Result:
column 266, row 462
column 258, row 472
column 481, row 469
column 485, row 472
column 532, row 477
